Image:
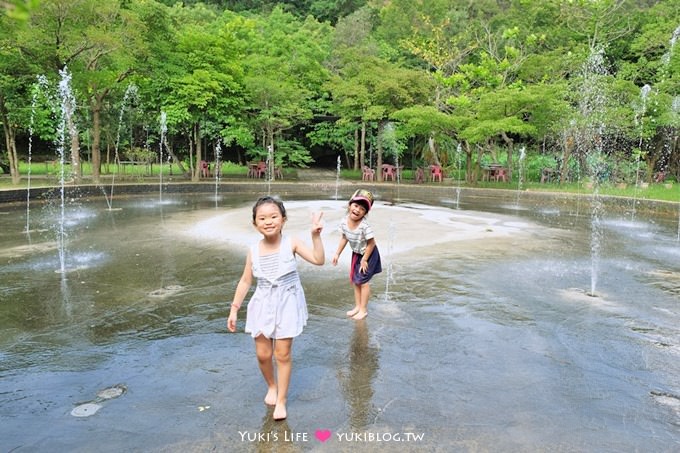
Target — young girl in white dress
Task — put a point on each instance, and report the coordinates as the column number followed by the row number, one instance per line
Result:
column 277, row 311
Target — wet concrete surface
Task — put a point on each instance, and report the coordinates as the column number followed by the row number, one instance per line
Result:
column 480, row 335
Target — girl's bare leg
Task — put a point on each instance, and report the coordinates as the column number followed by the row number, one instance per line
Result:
column 357, row 300
column 264, row 351
column 364, row 295
column 284, row 365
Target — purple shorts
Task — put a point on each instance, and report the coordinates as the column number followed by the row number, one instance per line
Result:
column 374, row 267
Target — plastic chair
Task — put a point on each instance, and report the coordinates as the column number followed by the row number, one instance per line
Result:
column 501, row 174
column 368, row 174
column 436, row 173
column 388, row 171
column 205, row 169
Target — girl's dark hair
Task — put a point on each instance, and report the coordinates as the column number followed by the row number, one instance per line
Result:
column 267, row 199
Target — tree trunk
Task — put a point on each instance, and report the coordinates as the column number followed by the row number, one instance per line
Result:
column 76, row 168
column 10, row 142
column 172, row 154
column 271, row 161
column 96, row 138
column 432, row 146
column 191, row 157
column 199, row 153
column 568, row 147
column 480, row 154
column 362, row 144
column 470, row 172
column 358, row 159
column 381, row 126
column 511, row 144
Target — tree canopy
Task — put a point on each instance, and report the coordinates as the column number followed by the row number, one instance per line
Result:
column 314, row 79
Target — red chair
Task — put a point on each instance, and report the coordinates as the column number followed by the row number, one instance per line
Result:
column 388, row 171
column 436, row 173
column 261, row 169
column 205, row 169
column 501, row 174
column 368, row 174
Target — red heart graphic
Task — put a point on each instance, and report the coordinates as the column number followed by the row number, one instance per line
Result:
column 323, row 434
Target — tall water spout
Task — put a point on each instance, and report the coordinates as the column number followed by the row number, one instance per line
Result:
column 520, row 178
column 164, row 131
column 65, row 130
column 592, row 107
column 639, row 121
column 459, row 166
column 130, row 92
column 337, row 176
column 218, row 168
column 270, row 168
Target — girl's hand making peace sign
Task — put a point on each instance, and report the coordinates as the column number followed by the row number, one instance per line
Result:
column 317, row 223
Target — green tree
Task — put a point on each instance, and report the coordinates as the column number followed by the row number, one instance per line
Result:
column 202, row 88
column 284, row 74
column 95, row 41
column 16, row 78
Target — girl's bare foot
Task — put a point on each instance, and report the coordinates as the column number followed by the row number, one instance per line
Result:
column 270, row 397
column 360, row 315
column 353, row 312
column 280, row 412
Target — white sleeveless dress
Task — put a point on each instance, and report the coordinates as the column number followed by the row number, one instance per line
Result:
column 278, row 308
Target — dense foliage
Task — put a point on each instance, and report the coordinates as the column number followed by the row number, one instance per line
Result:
column 588, row 85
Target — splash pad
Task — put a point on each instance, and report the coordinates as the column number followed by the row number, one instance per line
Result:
column 481, row 335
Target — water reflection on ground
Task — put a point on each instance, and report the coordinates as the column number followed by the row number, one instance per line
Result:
column 481, row 335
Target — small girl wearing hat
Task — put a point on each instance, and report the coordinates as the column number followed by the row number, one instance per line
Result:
column 357, row 232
